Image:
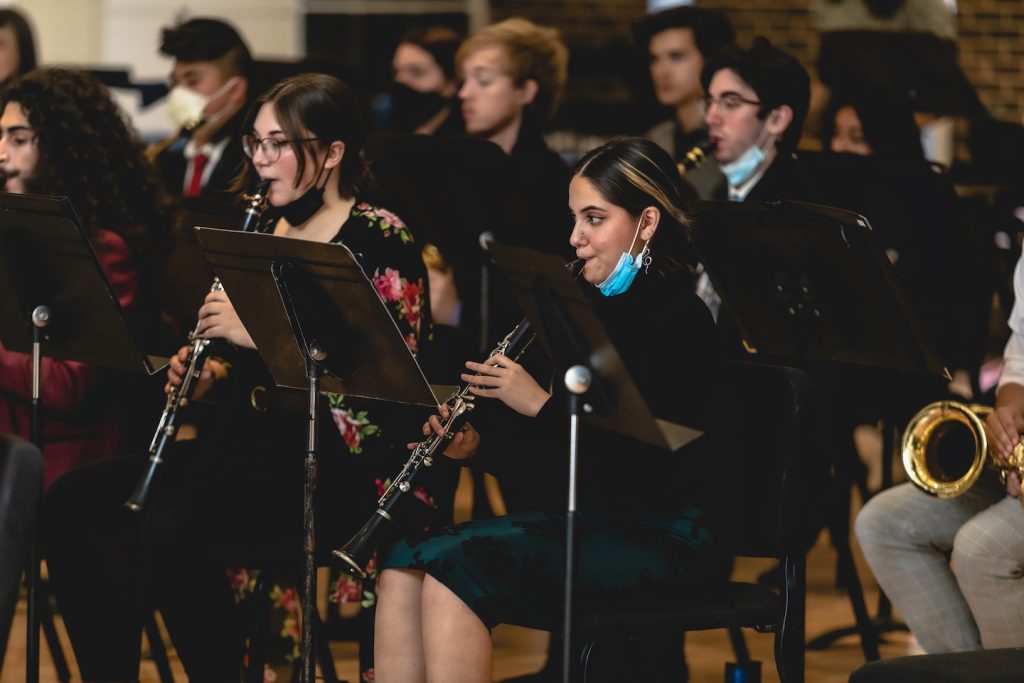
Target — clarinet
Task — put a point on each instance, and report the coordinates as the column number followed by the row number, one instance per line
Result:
column 379, row 529
column 180, row 395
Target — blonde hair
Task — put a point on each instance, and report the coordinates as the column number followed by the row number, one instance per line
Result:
column 531, row 52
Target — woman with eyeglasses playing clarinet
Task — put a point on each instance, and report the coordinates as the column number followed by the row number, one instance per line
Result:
column 442, row 591
column 233, row 497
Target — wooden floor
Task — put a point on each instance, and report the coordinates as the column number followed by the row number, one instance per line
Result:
column 519, row 651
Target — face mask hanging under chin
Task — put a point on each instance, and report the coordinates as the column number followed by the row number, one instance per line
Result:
column 741, row 169
column 621, row 278
column 300, row 210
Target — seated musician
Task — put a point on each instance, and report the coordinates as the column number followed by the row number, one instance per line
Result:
column 954, row 567
column 513, row 73
column 756, row 102
column 441, row 592
column 210, row 89
column 915, row 215
column 423, row 94
column 234, row 497
column 62, row 134
column 678, row 41
column 17, row 45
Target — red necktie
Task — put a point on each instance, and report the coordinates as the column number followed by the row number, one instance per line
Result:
column 196, row 182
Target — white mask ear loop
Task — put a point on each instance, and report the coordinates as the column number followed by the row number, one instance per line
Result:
column 765, row 137
column 644, row 257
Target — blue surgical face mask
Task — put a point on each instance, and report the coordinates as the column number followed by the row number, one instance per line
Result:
column 742, row 167
column 622, row 276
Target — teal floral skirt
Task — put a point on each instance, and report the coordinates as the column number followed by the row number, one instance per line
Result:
column 511, row 569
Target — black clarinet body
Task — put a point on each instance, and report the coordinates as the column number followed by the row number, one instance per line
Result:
column 379, row 531
column 380, row 528
column 179, row 397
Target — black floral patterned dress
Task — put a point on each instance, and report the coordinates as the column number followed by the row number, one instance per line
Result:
column 641, row 531
column 361, row 442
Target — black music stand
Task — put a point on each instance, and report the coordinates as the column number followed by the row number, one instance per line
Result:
column 185, row 273
column 319, row 325
column 808, row 285
column 54, row 294
column 600, row 389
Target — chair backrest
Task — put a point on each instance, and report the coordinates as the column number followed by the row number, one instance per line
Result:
column 767, row 459
column 21, row 483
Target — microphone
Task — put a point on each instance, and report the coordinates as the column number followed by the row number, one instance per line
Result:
column 485, row 239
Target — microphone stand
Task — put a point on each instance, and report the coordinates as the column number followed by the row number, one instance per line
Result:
column 577, row 380
column 40, row 319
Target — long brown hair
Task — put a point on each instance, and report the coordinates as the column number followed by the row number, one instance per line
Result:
column 316, row 106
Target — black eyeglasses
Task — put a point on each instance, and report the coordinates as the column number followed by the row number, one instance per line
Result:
column 728, row 102
column 271, row 147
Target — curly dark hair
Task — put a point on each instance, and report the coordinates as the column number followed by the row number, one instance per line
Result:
column 89, row 153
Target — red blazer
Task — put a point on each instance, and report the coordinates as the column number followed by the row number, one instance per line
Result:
column 78, row 426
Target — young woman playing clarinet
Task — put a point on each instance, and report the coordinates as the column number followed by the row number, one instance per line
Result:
column 441, row 592
column 233, row 497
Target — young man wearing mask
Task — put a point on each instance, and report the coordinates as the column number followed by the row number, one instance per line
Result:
column 679, row 41
column 756, row 101
column 209, row 90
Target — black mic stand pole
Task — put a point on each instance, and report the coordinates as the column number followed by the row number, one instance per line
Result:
column 314, row 353
column 577, row 380
column 40, row 319
column 485, row 239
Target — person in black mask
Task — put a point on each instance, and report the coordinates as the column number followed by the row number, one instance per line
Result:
column 233, row 497
column 423, row 94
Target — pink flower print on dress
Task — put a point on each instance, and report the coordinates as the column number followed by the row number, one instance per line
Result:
column 353, row 427
column 347, row 590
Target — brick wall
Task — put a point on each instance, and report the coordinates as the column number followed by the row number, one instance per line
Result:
column 991, row 36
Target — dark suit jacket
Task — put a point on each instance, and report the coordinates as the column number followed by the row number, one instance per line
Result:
column 784, row 179
column 172, row 166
